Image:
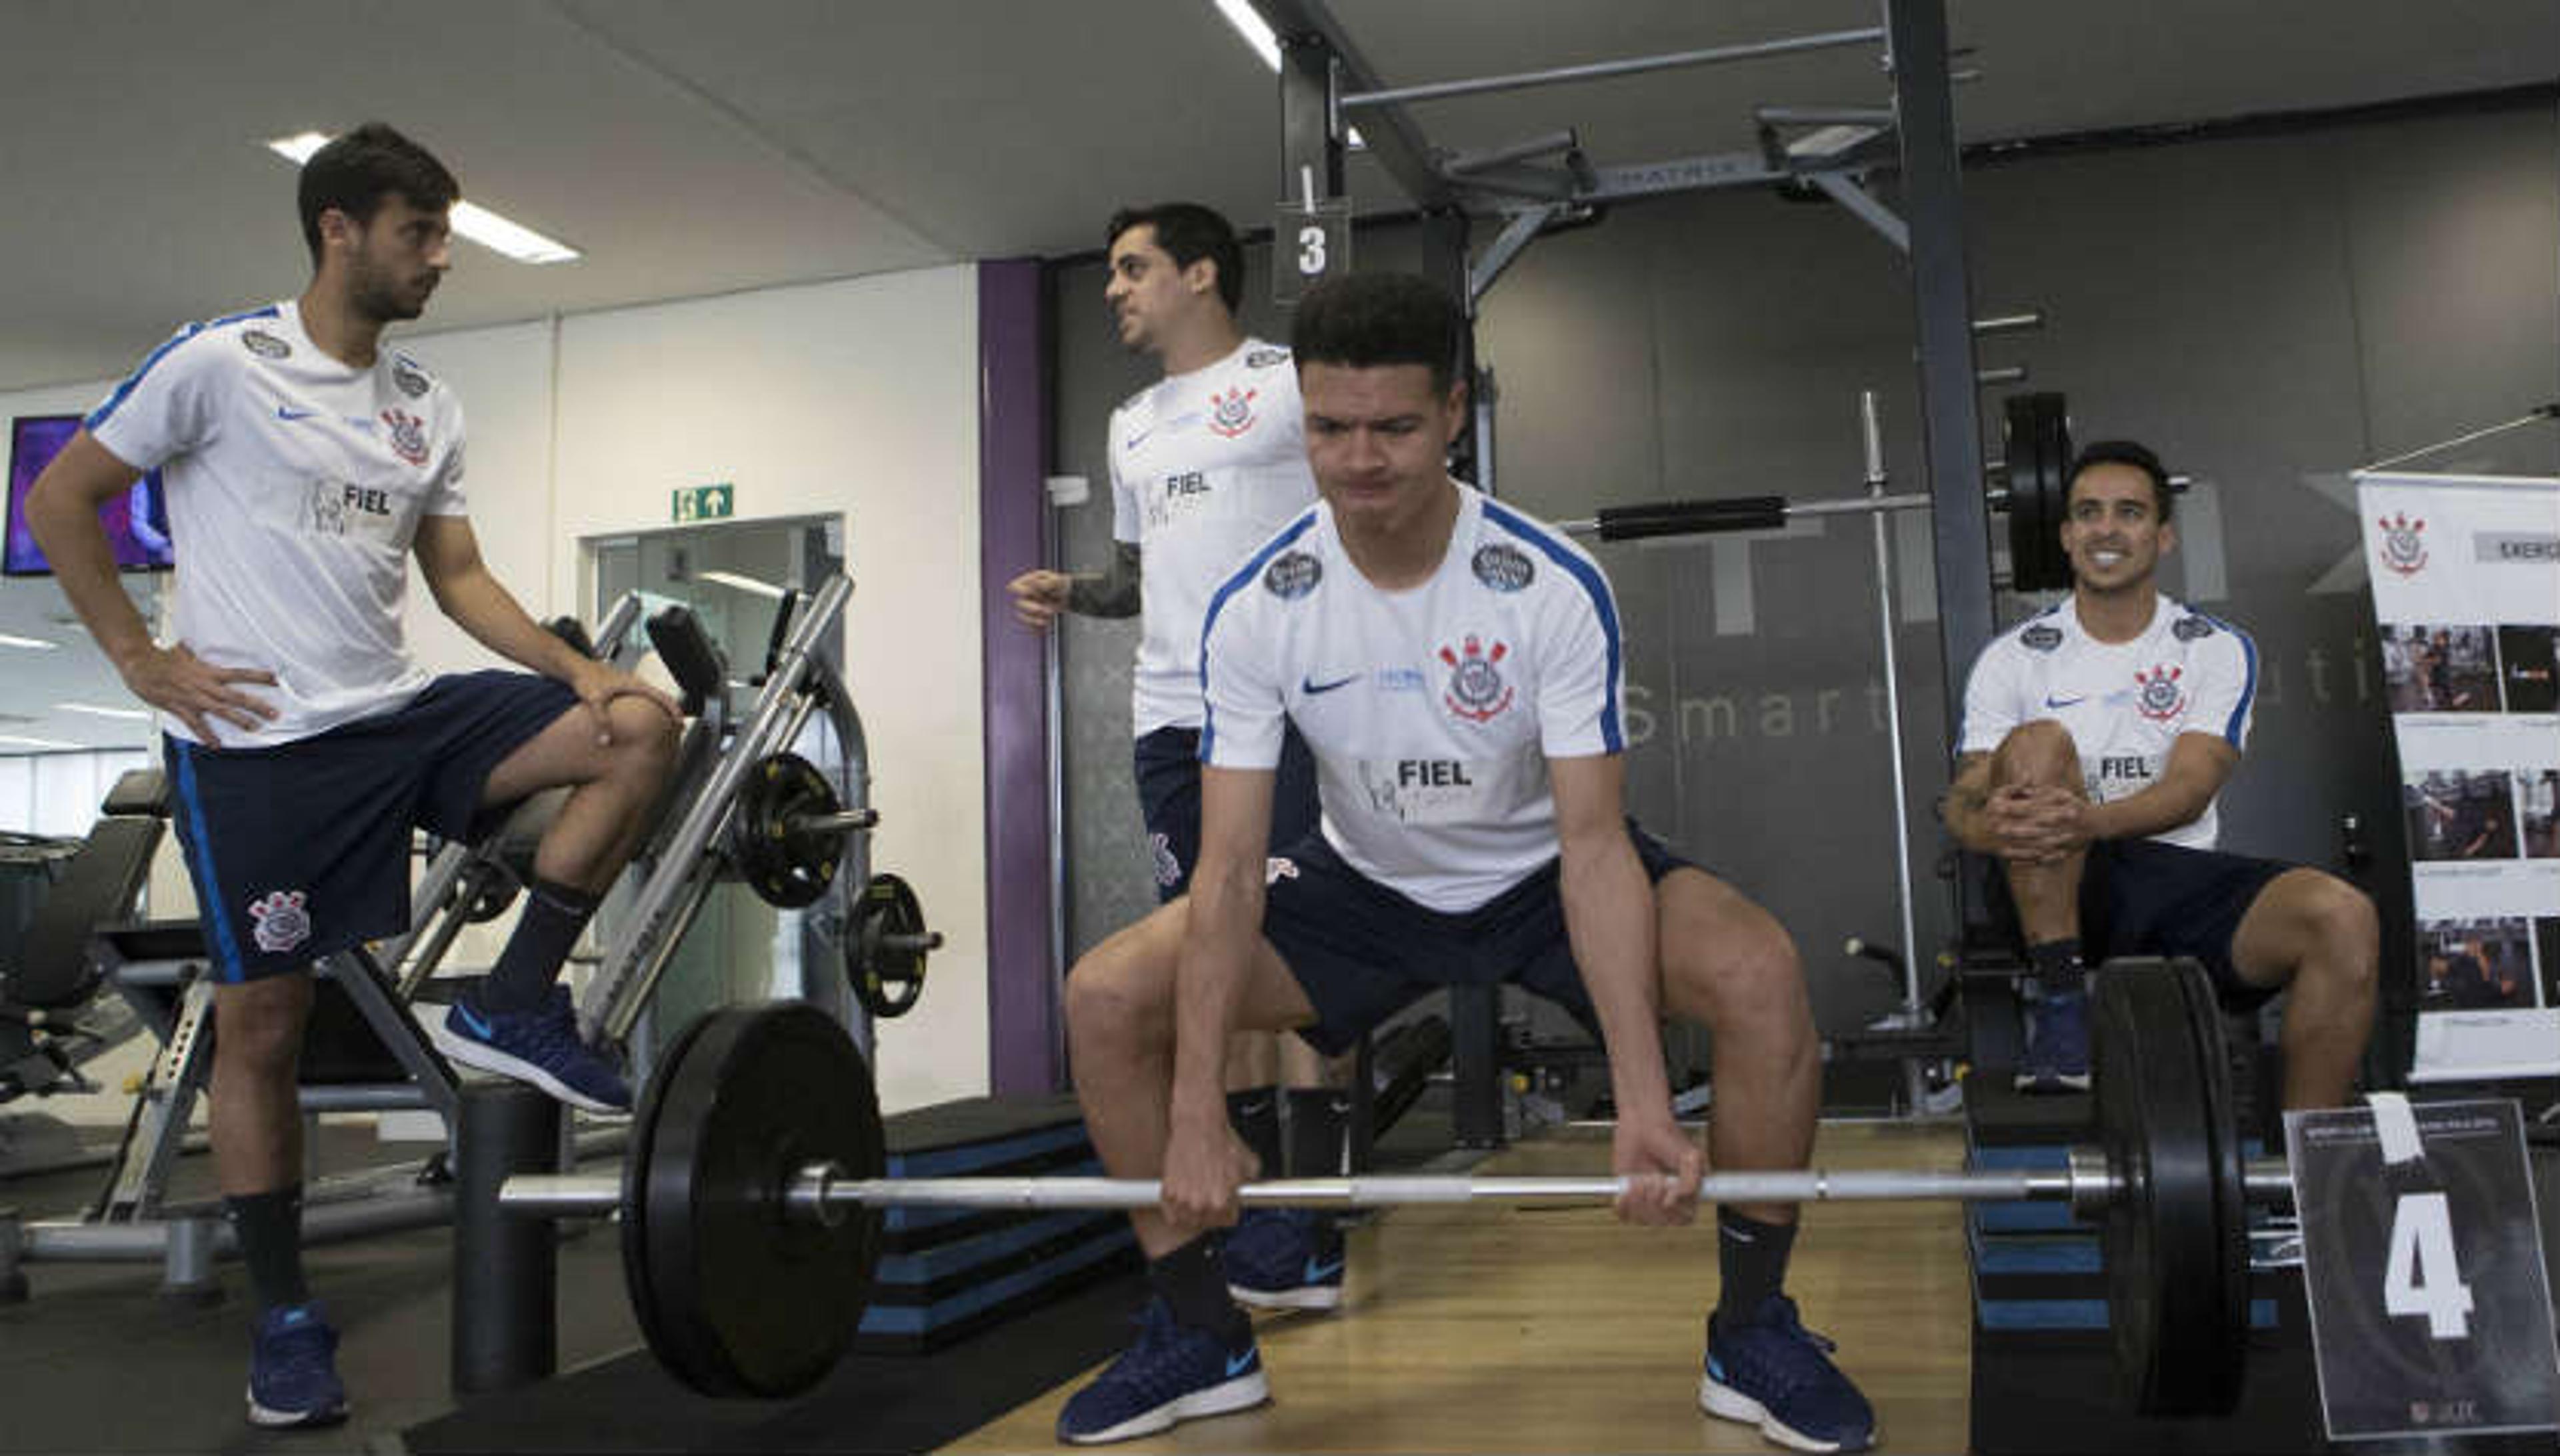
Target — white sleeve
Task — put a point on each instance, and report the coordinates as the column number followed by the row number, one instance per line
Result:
column 168, row 405
column 1244, row 712
column 1125, row 519
column 2225, row 695
column 1991, row 700
column 445, row 497
column 1581, row 668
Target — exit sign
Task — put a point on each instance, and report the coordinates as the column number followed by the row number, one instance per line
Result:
column 705, row 502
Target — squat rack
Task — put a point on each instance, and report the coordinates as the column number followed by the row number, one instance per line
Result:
column 1324, row 78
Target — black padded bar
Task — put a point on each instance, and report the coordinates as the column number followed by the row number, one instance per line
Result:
column 690, row 657
column 573, row 632
column 138, row 791
column 1692, row 518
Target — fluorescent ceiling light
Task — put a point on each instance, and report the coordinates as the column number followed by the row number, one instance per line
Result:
column 95, row 711
column 31, row 644
column 472, row 221
column 1256, row 31
column 736, row 582
column 14, row 742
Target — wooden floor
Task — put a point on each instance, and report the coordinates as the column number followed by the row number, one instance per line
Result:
column 1495, row 1330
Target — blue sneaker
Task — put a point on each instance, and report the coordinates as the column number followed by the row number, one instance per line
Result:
column 1284, row 1258
column 1173, row 1372
column 1773, row 1373
column 293, row 1370
column 540, row 1046
column 2057, row 1044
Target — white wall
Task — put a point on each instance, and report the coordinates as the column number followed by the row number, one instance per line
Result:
column 857, row 397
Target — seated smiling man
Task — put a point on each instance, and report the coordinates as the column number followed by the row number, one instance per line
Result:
column 1456, row 669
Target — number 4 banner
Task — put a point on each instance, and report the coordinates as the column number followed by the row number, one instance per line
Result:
column 2422, row 1262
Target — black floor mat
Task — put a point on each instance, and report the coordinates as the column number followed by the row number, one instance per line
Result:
column 882, row 1403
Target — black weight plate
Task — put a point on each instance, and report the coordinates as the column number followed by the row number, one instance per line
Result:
column 736, row 1298
column 2053, row 477
column 887, row 980
column 2176, row 1299
column 786, row 867
column 2228, row 1291
column 2027, row 523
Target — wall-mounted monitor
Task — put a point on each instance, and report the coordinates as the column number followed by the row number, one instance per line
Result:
column 138, row 522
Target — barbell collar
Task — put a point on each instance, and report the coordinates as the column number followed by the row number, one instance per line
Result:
column 843, row 820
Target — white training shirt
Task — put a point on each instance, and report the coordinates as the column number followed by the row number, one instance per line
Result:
column 1431, row 711
column 295, row 484
column 2125, row 702
column 1205, row 466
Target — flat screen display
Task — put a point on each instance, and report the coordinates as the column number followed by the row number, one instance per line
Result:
column 137, row 523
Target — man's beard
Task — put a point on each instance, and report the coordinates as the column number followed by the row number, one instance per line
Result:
column 382, row 301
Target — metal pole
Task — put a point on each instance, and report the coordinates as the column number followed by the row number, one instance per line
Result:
column 1601, row 69
column 1871, row 434
column 505, row 1270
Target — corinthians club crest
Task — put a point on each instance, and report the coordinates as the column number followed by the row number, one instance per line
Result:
column 1476, row 687
column 2157, row 696
column 282, row 921
column 1231, row 413
column 2404, row 544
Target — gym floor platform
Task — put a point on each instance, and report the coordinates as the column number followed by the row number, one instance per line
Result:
column 1486, row 1329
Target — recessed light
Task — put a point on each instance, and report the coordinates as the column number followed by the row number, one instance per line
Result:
column 97, row 711
column 13, row 740
column 31, row 644
column 1257, row 33
column 490, row 229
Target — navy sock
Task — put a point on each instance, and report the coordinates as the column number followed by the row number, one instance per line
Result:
column 2059, row 966
column 1192, row 1283
column 1254, row 1113
column 1320, row 1121
column 553, row 916
column 269, row 1228
column 1752, row 1256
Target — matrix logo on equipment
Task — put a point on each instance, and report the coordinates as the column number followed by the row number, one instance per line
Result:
column 2160, row 698
column 409, row 436
column 1477, row 690
column 2404, row 544
column 283, row 923
column 1231, row 413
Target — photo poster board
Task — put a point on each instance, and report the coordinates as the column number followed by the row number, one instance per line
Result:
column 2465, row 574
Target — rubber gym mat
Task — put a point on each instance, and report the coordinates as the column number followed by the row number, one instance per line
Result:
column 872, row 1403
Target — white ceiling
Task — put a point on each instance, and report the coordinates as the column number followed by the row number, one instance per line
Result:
column 693, row 148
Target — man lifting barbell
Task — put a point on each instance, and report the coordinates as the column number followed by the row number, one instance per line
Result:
column 2097, row 736
column 1456, row 669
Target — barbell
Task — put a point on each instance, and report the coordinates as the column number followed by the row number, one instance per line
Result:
column 750, row 1203
column 785, row 839
column 2035, row 472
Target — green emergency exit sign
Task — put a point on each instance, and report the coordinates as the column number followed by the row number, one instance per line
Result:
column 705, row 502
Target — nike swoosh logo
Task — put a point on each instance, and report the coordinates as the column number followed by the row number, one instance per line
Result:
column 1237, row 1364
column 1310, row 687
column 1318, row 1273
column 288, row 411
column 2053, row 701
column 478, row 1027
column 1133, row 441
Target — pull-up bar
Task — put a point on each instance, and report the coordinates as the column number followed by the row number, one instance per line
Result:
column 1601, row 69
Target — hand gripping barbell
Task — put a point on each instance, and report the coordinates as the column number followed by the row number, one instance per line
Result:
column 752, row 1202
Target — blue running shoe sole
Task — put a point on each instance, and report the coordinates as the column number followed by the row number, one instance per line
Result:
column 1241, row 1393
column 1726, row 1404
column 1304, row 1296
column 261, row 1416
column 482, row 1057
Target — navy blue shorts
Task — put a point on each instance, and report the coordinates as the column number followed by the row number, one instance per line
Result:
column 2139, row 896
column 302, row 849
column 1169, row 798
column 1363, row 952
